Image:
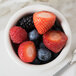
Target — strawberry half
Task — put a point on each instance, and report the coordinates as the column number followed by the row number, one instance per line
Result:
column 27, row 51
column 54, row 40
column 43, row 21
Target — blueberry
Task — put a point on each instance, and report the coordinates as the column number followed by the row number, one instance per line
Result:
column 42, row 45
column 44, row 54
column 57, row 25
column 33, row 35
column 26, row 22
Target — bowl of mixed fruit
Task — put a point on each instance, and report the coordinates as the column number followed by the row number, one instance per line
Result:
column 38, row 36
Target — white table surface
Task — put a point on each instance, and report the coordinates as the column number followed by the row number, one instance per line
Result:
column 9, row 67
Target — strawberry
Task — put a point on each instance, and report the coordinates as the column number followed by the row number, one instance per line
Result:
column 43, row 21
column 27, row 51
column 18, row 34
column 54, row 40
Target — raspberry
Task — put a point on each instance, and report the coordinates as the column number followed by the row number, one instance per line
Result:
column 18, row 34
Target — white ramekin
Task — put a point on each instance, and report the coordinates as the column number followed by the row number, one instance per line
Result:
column 31, row 9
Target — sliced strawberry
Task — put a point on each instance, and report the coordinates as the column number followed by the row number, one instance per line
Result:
column 43, row 21
column 54, row 40
column 27, row 51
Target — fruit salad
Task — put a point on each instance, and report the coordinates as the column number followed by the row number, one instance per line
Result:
column 38, row 38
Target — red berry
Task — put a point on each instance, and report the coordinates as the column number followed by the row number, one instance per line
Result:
column 54, row 40
column 18, row 34
column 43, row 21
column 27, row 51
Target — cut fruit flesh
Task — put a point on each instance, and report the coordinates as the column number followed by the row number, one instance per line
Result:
column 44, row 15
column 54, row 36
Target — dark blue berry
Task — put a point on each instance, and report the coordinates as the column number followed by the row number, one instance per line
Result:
column 37, row 43
column 54, row 55
column 44, row 54
column 42, row 45
column 26, row 22
column 15, row 47
column 33, row 35
column 36, row 61
column 57, row 26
